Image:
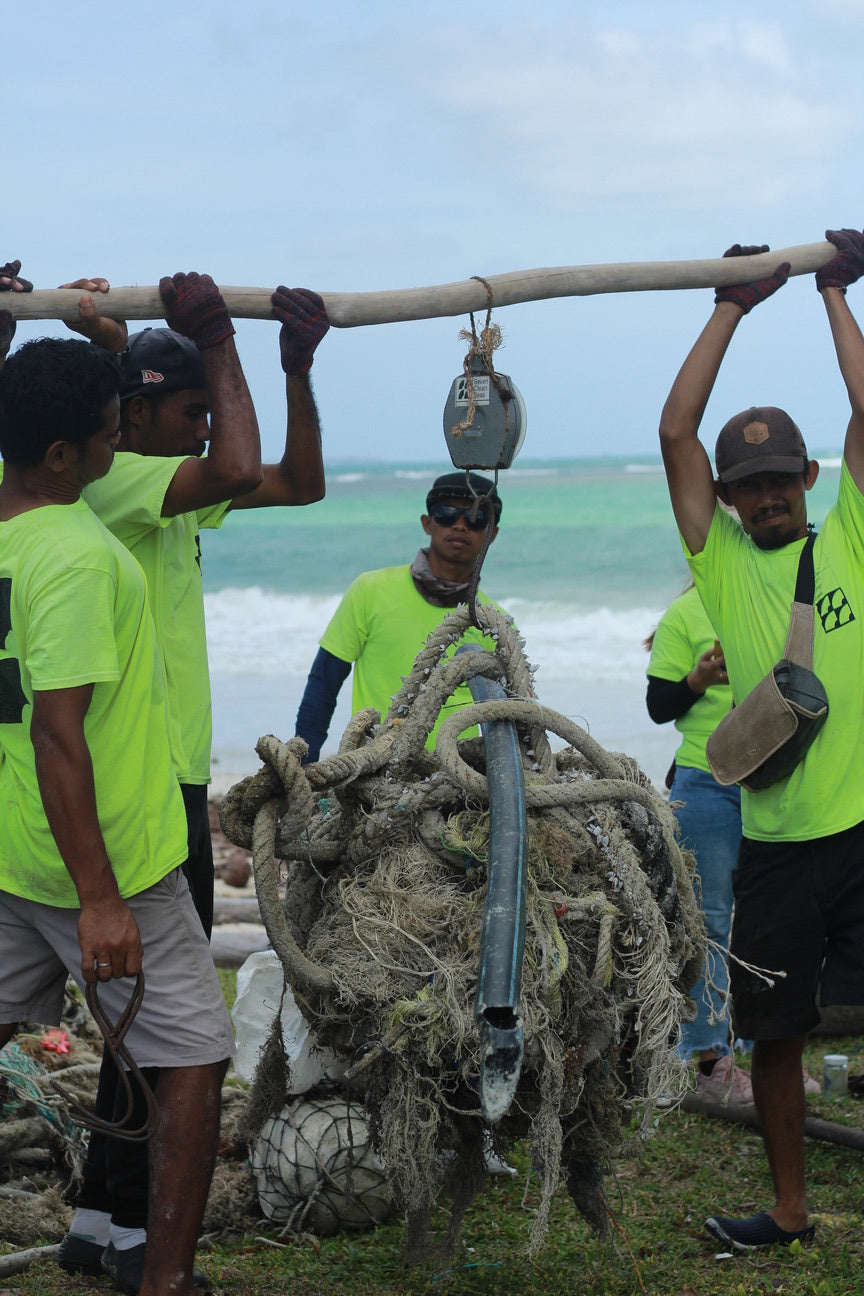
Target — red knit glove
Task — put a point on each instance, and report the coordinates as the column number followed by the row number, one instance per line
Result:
column 194, row 307
column 847, row 265
column 751, row 294
column 11, row 281
column 304, row 323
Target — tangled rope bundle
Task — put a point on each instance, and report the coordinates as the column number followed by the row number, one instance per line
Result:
column 378, row 933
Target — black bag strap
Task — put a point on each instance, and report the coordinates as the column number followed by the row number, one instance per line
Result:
column 805, row 583
column 802, row 622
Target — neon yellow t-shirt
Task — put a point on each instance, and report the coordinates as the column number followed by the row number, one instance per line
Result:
column 683, row 635
column 380, row 625
column 73, row 611
column 748, row 593
column 129, row 502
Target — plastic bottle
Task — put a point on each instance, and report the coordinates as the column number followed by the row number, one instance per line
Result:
column 835, row 1076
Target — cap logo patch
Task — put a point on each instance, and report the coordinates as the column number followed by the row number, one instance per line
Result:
column 151, row 376
column 756, row 433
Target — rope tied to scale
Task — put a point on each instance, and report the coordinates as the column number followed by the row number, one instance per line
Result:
column 480, row 348
column 386, row 848
column 480, row 355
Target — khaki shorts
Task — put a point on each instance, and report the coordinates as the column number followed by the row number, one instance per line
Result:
column 182, row 1020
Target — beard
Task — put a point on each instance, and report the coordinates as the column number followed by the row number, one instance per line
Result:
column 777, row 537
column 773, row 541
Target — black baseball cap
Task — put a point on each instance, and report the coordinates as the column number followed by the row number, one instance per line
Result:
column 454, row 486
column 761, row 439
column 160, row 360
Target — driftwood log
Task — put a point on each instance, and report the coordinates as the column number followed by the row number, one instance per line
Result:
column 233, row 942
column 232, row 909
column 350, row 310
column 737, row 1114
column 18, row 1261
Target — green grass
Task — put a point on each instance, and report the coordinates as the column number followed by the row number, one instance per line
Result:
column 692, row 1167
column 228, row 982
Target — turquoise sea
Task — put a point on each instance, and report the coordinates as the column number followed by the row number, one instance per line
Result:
column 586, row 560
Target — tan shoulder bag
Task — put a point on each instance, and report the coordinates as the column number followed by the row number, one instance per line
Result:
column 761, row 741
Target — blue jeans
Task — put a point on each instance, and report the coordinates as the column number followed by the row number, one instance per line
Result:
column 710, row 822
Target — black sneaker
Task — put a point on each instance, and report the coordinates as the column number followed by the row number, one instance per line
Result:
column 127, row 1267
column 757, row 1231
column 80, row 1255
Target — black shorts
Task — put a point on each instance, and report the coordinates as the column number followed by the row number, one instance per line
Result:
column 799, row 908
column 198, row 865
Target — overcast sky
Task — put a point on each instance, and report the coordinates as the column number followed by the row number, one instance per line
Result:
column 359, row 146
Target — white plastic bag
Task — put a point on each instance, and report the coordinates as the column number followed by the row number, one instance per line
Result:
column 259, row 992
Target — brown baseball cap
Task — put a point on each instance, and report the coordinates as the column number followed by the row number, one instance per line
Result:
column 761, row 439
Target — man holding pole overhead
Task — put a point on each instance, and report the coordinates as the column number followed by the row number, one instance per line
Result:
column 183, row 391
column 799, row 881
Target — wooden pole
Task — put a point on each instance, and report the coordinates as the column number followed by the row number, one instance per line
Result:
column 737, row 1114
column 18, row 1261
column 350, row 310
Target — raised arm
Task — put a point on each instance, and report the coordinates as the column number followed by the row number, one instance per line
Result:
column 107, row 932
column 10, row 281
column 298, row 478
column 112, row 334
column 688, row 468
column 194, row 306
column 832, row 281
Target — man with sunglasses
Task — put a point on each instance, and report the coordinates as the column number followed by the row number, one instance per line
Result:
column 386, row 615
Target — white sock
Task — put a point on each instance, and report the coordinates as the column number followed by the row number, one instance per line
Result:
column 126, row 1238
column 91, row 1225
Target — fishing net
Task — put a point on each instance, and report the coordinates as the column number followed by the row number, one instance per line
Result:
column 314, row 1167
column 41, row 1148
column 386, row 846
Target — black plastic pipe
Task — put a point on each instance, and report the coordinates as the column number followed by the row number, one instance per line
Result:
column 502, row 937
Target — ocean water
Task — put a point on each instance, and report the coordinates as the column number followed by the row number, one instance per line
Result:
column 586, row 560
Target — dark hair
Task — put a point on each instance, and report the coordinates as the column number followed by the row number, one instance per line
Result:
column 53, row 389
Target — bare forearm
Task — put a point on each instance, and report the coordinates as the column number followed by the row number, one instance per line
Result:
column 688, row 469
column 235, row 446
column 302, row 463
column 298, row 478
column 849, row 345
column 107, row 932
column 685, row 404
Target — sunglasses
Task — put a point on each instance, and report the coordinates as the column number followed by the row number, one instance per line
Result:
column 447, row 515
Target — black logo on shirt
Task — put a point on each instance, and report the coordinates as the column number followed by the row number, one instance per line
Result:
column 834, row 611
column 12, row 699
